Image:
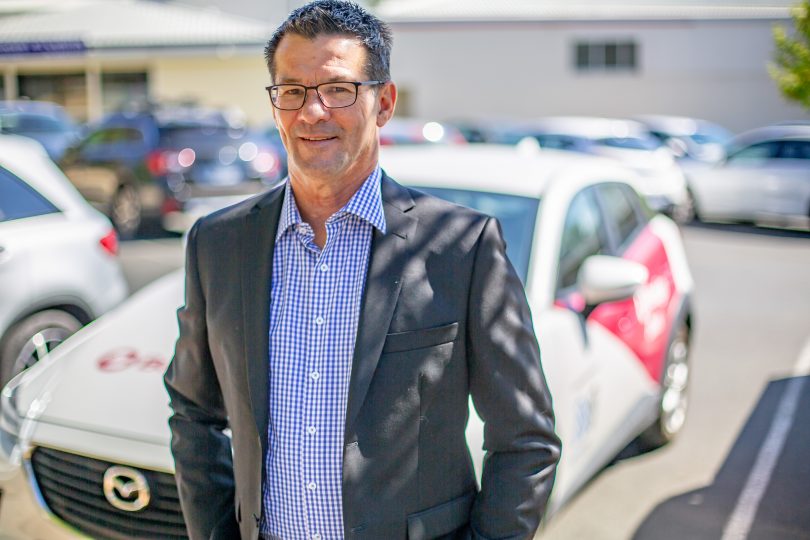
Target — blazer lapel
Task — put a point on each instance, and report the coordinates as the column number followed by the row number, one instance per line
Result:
column 257, row 244
column 387, row 256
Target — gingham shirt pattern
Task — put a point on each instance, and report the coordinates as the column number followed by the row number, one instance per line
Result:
column 314, row 312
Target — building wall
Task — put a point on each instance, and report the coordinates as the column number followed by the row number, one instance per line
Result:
column 713, row 70
column 236, row 81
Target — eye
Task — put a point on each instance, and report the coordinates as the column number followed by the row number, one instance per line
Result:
column 290, row 91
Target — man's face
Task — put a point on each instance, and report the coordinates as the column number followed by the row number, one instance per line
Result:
column 336, row 145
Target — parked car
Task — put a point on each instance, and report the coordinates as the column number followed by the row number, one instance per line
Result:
column 764, row 179
column 693, row 140
column 172, row 164
column 400, row 130
column 662, row 181
column 46, row 122
column 58, row 263
column 84, row 434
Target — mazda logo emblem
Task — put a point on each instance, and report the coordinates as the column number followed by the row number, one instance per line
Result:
column 126, row 489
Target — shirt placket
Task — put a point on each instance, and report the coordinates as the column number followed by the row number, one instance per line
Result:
column 317, row 387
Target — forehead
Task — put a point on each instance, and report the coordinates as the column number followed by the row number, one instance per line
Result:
column 299, row 57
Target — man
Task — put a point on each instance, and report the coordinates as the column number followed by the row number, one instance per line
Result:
column 338, row 325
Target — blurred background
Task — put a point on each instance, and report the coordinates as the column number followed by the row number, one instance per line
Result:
column 156, row 114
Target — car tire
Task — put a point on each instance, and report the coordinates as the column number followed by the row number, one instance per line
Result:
column 685, row 213
column 125, row 211
column 28, row 340
column 674, row 400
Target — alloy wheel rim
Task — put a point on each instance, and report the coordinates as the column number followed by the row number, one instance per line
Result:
column 37, row 346
column 674, row 401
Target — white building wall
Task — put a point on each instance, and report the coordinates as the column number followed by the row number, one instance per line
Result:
column 709, row 69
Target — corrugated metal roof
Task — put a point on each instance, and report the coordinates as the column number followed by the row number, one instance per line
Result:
column 133, row 23
column 562, row 10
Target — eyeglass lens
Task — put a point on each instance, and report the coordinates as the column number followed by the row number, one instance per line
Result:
column 333, row 95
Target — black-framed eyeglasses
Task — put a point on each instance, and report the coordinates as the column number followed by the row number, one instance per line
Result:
column 333, row 95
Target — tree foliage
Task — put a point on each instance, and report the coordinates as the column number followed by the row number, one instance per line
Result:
column 791, row 70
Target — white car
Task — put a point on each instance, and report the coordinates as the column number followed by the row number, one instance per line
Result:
column 660, row 180
column 85, row 440
column 58, row 257
column 764, row 179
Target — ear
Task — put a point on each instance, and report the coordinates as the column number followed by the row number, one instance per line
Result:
column 386, row 102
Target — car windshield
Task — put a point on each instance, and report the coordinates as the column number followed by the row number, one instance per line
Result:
column 517, row 216
column 631, row 143
column 29, row 123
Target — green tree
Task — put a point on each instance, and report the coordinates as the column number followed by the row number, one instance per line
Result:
column 791, row 70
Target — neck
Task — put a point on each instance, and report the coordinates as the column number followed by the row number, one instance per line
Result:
column 317, row 199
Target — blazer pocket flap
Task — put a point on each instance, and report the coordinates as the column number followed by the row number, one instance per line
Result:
column 442, row 519
column 419, row 339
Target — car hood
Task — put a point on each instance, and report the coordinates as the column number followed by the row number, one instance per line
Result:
column 108, row 377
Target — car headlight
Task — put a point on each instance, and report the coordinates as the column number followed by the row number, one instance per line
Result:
column 10, row 419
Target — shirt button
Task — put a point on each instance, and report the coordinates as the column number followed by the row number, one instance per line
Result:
column 311, row 486
column 311, row 430
column 318, row 320
column 324, row 267
column 315, row 375
column 316, row 536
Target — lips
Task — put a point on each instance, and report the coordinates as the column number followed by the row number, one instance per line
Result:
column 318, row 138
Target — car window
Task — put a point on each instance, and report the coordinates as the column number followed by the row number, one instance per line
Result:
column 795, row 150
column 29, row 123
column 19, row 200
column 557, row 142
column 517, row 216
column 583, row 235
column 620, row 204
column 755, row 152
column 112, row 135
column 630, row 143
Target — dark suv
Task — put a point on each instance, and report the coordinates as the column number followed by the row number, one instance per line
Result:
column 172, row 164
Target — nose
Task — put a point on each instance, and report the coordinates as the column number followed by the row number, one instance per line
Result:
column 313, row 109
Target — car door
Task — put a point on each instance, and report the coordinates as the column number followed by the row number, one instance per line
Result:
column 734, row 189
column 20, row 209
column 785, row 189
column 570, row 356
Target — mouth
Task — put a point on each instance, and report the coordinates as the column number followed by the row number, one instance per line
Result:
column 317, row 139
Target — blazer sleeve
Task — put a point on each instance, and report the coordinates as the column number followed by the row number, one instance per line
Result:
column 202, row 452
column 509, row 392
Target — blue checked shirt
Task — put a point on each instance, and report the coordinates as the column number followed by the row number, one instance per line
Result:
column 314, row 312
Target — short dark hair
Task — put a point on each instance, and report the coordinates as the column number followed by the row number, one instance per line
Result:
column 338, row 17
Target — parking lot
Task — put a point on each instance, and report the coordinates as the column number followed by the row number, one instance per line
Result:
column 740, row 463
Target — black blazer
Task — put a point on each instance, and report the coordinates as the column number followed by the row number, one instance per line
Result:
column 443, row 317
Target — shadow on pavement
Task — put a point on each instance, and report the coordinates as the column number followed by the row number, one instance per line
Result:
column 784, row 510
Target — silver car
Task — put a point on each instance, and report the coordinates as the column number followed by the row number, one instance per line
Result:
column 58, row 257
column 764, row 179
column 662, row 182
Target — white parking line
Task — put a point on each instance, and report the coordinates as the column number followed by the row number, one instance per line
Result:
column 742, row 518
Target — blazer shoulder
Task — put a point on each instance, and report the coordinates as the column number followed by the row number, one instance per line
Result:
column 423, row 204
column 234, row 215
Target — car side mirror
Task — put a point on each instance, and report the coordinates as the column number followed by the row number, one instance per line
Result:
column 603, row 278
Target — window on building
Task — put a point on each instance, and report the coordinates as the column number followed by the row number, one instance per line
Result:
column 606, row 56
column 122, row 89
column 69, row 90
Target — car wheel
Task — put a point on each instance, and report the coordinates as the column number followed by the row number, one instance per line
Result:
column 125, row 211
column 30, row 339
column 685, row 213
column 674, row 401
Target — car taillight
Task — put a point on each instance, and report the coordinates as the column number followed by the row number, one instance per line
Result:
column 170, row 204
column 162, row 162
column 110, row 242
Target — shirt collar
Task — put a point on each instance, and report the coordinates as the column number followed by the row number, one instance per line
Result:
column 366, row 204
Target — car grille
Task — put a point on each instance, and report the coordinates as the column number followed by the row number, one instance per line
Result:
column 71, row 486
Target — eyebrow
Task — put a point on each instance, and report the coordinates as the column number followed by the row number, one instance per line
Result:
column 295, row 80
